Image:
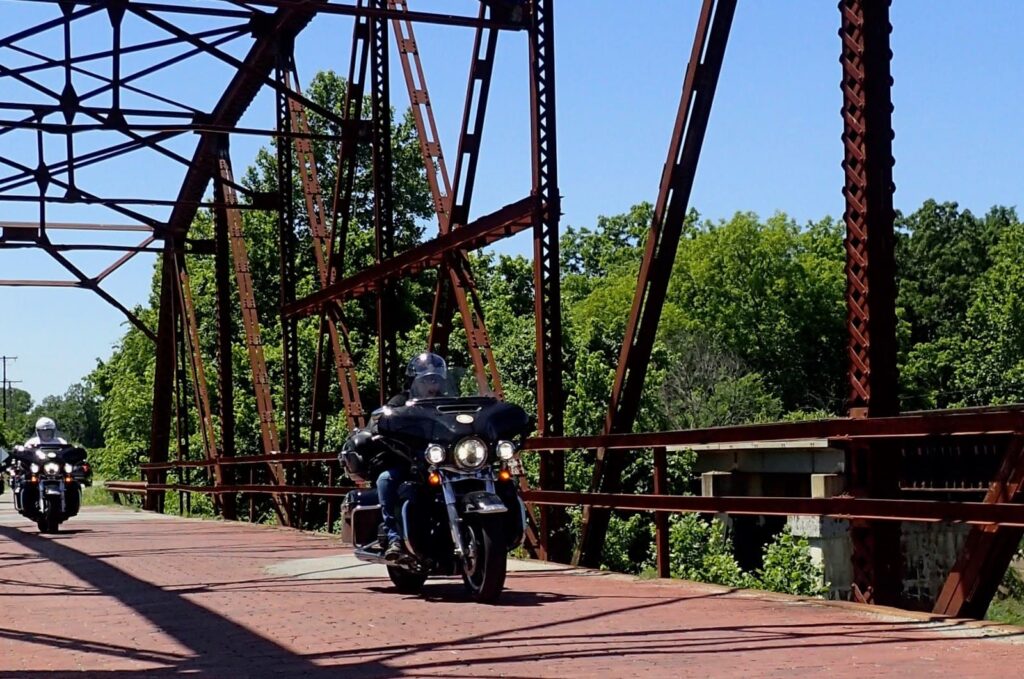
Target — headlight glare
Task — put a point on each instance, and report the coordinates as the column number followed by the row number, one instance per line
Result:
column 471, row 453
column 34, row 468
column 506, row 449
column 51, row 468
column 435, row 454
column 67, row 468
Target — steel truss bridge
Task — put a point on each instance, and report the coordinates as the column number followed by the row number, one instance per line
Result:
column 891, row 459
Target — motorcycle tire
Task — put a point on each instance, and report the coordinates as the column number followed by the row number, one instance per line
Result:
column 48, row 525
column 406, row 582
column 485, row 566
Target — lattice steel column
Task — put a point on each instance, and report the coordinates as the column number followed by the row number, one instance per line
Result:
column 870, row 275
column 546, row 271
column 389, row 366
column 225, row 194
column 163, row 380
column 225, row 367
column 287, row 248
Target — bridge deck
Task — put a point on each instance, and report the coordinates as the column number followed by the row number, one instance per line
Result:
column 122, row 592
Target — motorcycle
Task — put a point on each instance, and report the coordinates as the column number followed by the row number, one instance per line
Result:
column 459, row 511
column 47, row 482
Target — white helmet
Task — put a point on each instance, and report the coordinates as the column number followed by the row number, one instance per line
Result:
column 46, row 429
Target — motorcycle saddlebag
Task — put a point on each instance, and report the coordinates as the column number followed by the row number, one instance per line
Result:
column 360, row 517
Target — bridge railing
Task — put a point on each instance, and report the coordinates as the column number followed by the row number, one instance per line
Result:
column 952, row 428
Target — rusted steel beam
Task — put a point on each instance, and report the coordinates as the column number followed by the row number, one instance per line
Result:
column 22, row 283
column 163, row 381
column 287, row 246
column 680, row 168
column 988, row 550
column 871, row 278
column 240, row 92
column 283, row 458
column 196, row 362
column 225, row 366
column 935, row 423
column 333, row 323
column 250, row 320
column 491, row 228
column 389, row 370
column 76, row 226
column 546, row 266
column 975, row 513
column 91, row 284
column 661, row 527
column 278, row 489
column 121, row 261
column 461, row 287
column 250, row 317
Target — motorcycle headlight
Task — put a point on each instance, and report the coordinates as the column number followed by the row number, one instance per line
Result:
column 67, row 468
column 506, row 449
column 435, row 454
column 471, row 453
column 34, row 468
column 51, row 468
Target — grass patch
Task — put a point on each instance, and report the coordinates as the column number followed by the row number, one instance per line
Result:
column 96, row 495
column 1008, row 611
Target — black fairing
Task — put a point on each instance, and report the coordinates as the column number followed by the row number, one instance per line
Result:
column 435, row 420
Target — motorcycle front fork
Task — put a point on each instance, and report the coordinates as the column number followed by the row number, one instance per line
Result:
column 454, row 520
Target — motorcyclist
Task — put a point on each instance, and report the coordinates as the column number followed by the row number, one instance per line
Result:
column 46, row 432
column 426, row 376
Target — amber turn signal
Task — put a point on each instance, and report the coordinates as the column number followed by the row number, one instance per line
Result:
column 434, row 479
column 504, row 475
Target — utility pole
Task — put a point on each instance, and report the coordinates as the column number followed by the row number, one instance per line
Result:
column 6, row 384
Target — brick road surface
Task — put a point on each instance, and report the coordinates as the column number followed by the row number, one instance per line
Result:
column 121, row 593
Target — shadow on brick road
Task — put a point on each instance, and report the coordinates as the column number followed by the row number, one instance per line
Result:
column 219, row 647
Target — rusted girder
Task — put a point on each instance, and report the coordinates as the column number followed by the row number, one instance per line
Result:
column 460, row 287
column 870, row 276
column 231, row 221
column 546, row 266
column 244, row 85
column 680, row 168
column 491, row 228
column 321, row 237
column 966, row 422
column 989, row 549
column 975, row 513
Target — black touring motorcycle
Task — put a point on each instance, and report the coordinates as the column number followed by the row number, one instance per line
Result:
column 47, row 481
column 460, row 512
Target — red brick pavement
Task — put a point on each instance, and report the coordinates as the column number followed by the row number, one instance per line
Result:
column 124, row 594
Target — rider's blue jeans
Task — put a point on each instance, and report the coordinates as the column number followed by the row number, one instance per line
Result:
column 387, row 491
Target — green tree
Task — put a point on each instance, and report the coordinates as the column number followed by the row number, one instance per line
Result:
column 77, row 414
column 941, row 254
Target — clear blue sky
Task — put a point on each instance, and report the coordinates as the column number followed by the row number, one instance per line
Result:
column 773, row 142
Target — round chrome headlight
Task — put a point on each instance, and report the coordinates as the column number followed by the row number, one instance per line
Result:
column 435, row 454
column 471, row 453
column 51, row 468
column 34, row 468
column 506, row 449
column 67, row 468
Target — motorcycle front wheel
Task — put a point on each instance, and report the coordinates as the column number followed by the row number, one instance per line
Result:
column 485, row 563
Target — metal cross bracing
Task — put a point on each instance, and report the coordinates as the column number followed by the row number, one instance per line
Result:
column 890, row 459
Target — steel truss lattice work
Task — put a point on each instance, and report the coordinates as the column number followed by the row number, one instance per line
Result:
column 69, row 133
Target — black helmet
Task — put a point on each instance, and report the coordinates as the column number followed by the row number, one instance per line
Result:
column 426, row 376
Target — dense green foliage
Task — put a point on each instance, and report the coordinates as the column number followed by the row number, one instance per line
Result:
column 753, row 330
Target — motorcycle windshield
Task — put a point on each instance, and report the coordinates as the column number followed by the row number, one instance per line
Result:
column 447, row 420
